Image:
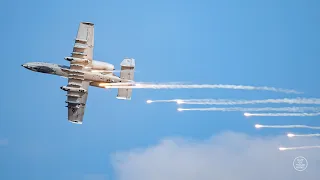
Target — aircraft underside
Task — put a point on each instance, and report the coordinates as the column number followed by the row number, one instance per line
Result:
column 84, row 72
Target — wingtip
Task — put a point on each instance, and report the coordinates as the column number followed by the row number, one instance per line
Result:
column 88, row 23
column 75, row 122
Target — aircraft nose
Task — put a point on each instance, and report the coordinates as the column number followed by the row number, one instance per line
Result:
column 25, row 66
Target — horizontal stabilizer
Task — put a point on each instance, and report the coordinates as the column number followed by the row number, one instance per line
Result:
column 127, row 74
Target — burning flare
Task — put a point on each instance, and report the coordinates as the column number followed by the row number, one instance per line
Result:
column 135, row 85
column 314, row 101
column 297, row 148
column 281, row 114
column 286, row 126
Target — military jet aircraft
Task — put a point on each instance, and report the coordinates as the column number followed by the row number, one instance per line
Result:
column 84, row 72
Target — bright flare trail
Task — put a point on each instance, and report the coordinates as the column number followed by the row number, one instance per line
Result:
column 280, row 114
column 285, row 126
column 164, row 101
column 282, row 109
column 240, row 101
column 192, row 86
column 297, row 148
column 302, row 135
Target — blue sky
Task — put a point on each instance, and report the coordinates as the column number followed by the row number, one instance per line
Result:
column 260, row 43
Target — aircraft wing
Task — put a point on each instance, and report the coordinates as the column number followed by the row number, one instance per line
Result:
column 80, row 60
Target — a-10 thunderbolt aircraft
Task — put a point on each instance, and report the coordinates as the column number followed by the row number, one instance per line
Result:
column 84, row 72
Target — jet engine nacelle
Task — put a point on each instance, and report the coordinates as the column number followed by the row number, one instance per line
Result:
column 98, row 65
column 74, row 89
column 77, row 60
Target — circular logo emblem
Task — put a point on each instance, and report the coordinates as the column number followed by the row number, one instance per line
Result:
column 300, row 163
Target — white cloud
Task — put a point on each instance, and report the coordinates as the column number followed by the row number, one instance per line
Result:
column 95, row 177
column 225, row 156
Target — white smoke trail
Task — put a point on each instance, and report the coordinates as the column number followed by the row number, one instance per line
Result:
column 285, row 126
column 296, row 148
column 192, row 86
column 280, row 114
column 281, row 109
column 302, row 135
column 240, row 101
column 163, row 101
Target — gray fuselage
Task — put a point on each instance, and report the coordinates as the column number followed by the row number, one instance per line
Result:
column 60, row 70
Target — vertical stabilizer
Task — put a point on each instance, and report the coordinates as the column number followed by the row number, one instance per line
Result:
column 127, row 73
